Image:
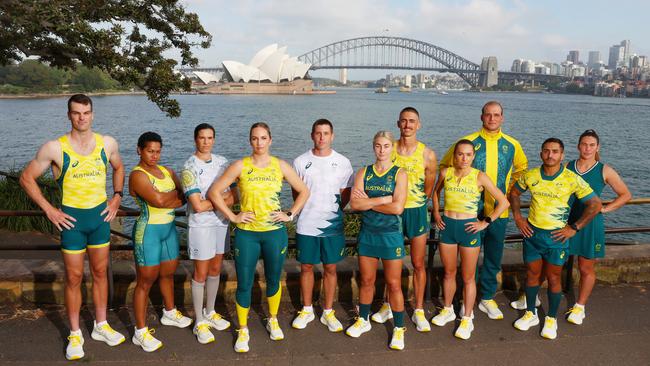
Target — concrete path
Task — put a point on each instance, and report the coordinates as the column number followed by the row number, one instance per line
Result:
column 616, row 332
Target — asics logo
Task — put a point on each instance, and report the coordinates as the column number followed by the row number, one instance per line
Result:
column 535, row 183
column 473, row 241
column 398, row 252
column 76, row 162
column 369, row 177
column 284, row 250
column 562, row 255
column 478, row 146
column 308, row 165
column 250, row 171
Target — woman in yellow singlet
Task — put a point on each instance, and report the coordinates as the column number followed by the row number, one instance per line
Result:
column 158, row 192
column 463, row 187
column 260, row 225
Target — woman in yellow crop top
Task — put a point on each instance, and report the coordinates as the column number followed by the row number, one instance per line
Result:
column 158, row 192
column 463, row 189
column 260, row 224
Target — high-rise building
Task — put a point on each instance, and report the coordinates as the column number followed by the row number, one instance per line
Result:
column 573, row 56
column 594, row 58
column 343, row 76
column 516, row 65
column 627, row 51
column 616, row 57
column 528, row 66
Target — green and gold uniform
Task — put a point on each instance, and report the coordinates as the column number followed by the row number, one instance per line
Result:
column 381, row 234
column 462, row 196
column 589, row 242
column 155, row 238
column 415, row 219
column 259, row 190
column 549, row 211
column 501, row 157
column 83, row 186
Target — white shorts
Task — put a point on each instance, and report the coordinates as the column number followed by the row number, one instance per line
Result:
column 206, row 242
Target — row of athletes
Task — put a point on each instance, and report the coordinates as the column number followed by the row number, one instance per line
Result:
column 392, row 195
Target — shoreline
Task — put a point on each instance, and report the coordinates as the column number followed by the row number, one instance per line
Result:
column 67, row 94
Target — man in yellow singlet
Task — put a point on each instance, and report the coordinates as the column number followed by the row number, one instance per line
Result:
column 79, row 161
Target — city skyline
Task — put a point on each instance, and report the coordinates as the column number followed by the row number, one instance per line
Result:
column 473, row 29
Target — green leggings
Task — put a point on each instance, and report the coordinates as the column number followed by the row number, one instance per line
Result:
column 248, row 246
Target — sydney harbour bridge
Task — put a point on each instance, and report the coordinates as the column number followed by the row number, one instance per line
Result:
column 398, row 53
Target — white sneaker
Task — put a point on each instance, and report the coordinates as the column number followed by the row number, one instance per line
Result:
column 215, row 320
column 397, row 341
column 146, row 340
column 384, row 314
column 462, row 312
column 576, row 314
column 520, row 303
column 420, row 320
column 465, row 328
column 107, row 334
column 491, row 308
column 304, row 317
column 359, row 327
column 528, row 320
column 333, row 324
column 202, row 332
column 175, row 318
column 75, row 350
column 241, row 345
column 550, row 328
column 273, row 327
column 445, row 316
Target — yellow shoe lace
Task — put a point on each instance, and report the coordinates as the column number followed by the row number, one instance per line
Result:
column 148, row 334
column 242, row 334
column 443, row 311
column 75, row 340
column 384, row 308
column 216, row 316
column 549, row 322
column 464, row 323
column 528, row 314
column 492, row 304
column 330, row 316
column 419, row 315
column 358, row 323
column 108, row 329
column 303, row 313
column 273, row 322
column 178, row 314
column 203, row 327
column 574, row 310
column 398, row 333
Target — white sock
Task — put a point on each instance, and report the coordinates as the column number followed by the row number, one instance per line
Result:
column 169, row 312
column 101, row 324
column 141, row 331
column 579, row 306
column 327, row 311
column 309, row 309
column 76, row 332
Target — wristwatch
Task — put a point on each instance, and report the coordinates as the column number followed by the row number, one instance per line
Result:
column 120, row 193
column 488, row 219
column 290, row 215
column 574, row 227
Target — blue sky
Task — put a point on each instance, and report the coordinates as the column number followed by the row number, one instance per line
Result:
column 543, row 30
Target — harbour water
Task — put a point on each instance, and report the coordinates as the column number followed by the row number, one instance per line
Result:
column 357, row 114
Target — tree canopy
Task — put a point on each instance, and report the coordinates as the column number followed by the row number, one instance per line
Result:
column 125, row 38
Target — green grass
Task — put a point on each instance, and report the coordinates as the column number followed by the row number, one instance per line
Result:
column 14, row 198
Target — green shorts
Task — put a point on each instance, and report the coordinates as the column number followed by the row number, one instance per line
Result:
column 454, row 233
column 589, row 242
column 382, row 246
column 90, row 230
column 154, row 243
column 415, row 221
column 542, row 246
column 317, row 249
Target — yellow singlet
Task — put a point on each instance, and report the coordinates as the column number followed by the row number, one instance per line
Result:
column 259, row 189
column 83, row 177
column 463, row 196
column 414, row 166
column 155, row 215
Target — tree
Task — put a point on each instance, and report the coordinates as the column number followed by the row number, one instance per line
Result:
column 125, row 38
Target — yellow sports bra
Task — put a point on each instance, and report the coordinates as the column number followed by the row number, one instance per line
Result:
column 83, row 177
column 155, row 215
column 463, row 196
column 259, row 189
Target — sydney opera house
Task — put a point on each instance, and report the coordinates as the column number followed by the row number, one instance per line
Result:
column 270, row 64
column 270, row 71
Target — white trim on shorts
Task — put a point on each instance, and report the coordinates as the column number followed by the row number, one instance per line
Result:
column 206, row 242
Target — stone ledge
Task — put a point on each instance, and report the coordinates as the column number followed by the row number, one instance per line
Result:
column 41, row 280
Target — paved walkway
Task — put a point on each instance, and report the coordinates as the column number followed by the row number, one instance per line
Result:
column 616, row 331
